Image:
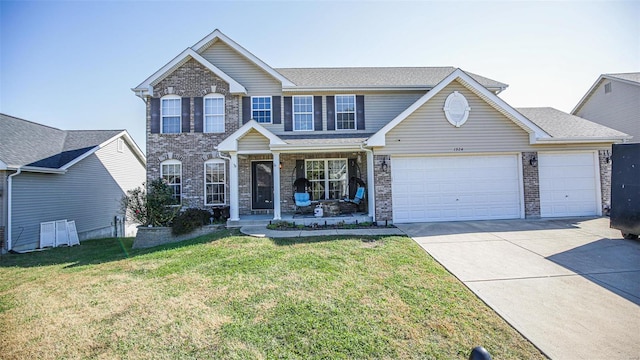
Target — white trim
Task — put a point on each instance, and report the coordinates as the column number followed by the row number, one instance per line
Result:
column 224, row 183
column 218, row 35
column 204, row 112
column 173, row 162
column 327, row 178
column 120, row 145
column 234, row 211
column 276, row 187
column 352, row 89
column 170, row 97
column 595, row 86
column 521, row 185
column 335, row 112
column 456, row 97
column 578, row 140
column 146, row 87
column 293, row 112
column 230, row 144
column 270, row 108
column 378, row 139
column 136, row 150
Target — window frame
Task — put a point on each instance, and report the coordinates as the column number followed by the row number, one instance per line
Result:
column 327, row 180
column 270, row 109
column 355, row 111
column 162, row 115
column 204, row 113
column 294, row 113
column 223, row 183
column 173, row 186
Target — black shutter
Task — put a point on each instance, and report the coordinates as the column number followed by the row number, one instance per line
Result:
column 288, row 115
column 186, row 114
column 360, row 112
column 352, row 168
column 246, row 109
column 276, row 109
column 317, row 113
column 155, row 115
column 197, row 114
column 300, row 169
column 331, row 118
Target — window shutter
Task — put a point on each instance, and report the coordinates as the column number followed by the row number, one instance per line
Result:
column 360, row 112
column 352, row 169
column 198, row 109
column 155, row 115
column 288, row 114
column 317, row 113
column 275, row 111
column 246, row 109
column 331, row 108
column 186, row 114
column 300, row 169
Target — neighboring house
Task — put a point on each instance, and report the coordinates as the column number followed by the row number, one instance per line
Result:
column 614, row 101
column 431, row 144
column 48, row 174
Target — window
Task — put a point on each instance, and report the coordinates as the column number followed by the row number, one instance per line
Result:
column 303, row 113
column 214, row 113
column 261, row 109
column 214, row 182
column 345, row 112
column 328, row 178
column 171, row 173
column 607, row 88
column 170, row 110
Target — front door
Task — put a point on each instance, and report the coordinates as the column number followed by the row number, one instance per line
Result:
column 262, row 185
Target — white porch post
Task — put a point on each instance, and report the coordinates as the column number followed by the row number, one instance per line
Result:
column 371, row 191
column 234, row 210
column 276, row 186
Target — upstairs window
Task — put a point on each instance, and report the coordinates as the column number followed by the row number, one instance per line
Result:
column 171, row 173
column 345, row 112
column 303, row 113
column 214, row 182
column 170, row 114
column 214, row 113
column 261, row 109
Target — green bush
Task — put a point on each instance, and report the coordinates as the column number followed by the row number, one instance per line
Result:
column 154, row 207
column 189, row 220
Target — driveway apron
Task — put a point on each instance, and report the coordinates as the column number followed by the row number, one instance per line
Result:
column 571, row 286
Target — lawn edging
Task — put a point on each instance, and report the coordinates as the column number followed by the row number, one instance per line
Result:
column 153, row 236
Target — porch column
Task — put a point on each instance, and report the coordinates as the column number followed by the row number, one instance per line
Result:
column 371, row 188
column 234, row 210
column 276, row 186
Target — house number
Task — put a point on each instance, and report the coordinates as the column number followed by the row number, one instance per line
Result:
column 458, row 149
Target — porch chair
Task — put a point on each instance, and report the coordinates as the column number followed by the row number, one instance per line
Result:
column 360, row 190
column 301, row 194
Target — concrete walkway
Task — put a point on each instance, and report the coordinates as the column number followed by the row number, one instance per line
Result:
column 571, row 286
column 262, row 231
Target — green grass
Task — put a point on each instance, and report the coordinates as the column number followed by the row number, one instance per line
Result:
column 237, row 297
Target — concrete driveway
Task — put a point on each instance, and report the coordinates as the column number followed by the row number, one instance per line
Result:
column 571, row 286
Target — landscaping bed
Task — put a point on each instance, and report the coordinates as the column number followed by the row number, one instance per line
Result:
column 293, row 226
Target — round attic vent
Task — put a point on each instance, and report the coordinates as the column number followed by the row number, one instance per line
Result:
column 456, row 109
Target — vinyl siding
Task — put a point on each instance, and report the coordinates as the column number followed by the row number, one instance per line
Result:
column 125, row 167
column 253, row 141
column 255, row 80
column 88, row 193
column 619, row 109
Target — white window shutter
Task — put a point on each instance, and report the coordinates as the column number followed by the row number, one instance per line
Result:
column 47, row 234
column 62, row 237
column 72, row 233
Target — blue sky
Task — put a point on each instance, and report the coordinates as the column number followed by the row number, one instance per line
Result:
column 71, row 65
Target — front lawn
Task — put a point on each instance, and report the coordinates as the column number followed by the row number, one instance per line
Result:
column 226, row 296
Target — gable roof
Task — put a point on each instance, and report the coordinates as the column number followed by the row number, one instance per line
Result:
column 376, row 78
column 36, row 147
column 535, row 132
column 230, row 144
column 146, row 87
column 627, row 78
column 566, row 127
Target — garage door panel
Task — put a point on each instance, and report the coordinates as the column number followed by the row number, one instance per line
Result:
column 456, row 188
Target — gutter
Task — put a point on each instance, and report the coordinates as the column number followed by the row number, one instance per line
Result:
column 583, row 140
column 9, row 205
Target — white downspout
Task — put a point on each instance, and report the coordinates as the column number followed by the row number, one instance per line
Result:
column 9, row 200
column 371, row 191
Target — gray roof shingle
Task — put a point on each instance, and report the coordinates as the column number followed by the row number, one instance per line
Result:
column 356, row 77
column 559, row 124
column 634, row 77
column 24, row 143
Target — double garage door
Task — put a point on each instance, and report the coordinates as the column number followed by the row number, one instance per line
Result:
column 453, row 188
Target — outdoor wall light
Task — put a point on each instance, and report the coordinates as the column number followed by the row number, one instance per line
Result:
column 608, row 158
column 280, row 165
column 384, row 165
column 533, row 161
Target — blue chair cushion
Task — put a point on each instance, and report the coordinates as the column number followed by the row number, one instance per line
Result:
column 302, row 199
column 359, row 195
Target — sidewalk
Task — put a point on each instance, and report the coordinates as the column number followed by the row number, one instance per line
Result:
column 262, row 231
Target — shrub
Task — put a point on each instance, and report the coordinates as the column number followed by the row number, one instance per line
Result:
column 189, row 220
column 155, row 207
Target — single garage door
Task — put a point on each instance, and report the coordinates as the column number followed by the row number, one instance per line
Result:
column 568, row 184
column 454, row 188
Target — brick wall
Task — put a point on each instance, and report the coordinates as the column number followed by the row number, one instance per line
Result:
column 384, row 209
column 605, row 179
column 531, row 186
column 244, row 186
column 192, row 149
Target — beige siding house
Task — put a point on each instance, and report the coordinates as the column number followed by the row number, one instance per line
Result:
column 424, row 143
column 614, row 101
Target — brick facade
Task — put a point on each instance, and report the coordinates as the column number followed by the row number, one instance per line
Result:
column 382, row 178
column 605, row 179
column 192, row 149
column 531, row 186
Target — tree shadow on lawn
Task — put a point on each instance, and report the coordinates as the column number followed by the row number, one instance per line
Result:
column 98, row 251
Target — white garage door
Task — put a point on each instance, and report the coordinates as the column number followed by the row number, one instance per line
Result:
column 568, row 184
column 455, row 188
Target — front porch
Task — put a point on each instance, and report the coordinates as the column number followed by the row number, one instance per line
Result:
column 300, row 219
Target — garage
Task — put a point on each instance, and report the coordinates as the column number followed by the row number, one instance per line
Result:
column 568, row 184
column 455, row 188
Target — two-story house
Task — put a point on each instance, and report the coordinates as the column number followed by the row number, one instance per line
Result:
column 430, row 144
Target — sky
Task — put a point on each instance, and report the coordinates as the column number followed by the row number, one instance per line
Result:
column 72, row 64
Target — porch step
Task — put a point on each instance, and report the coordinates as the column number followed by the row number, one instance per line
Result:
column 253, row 220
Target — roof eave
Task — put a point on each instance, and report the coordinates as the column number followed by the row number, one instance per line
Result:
column 583, row 140
column 309, row 148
